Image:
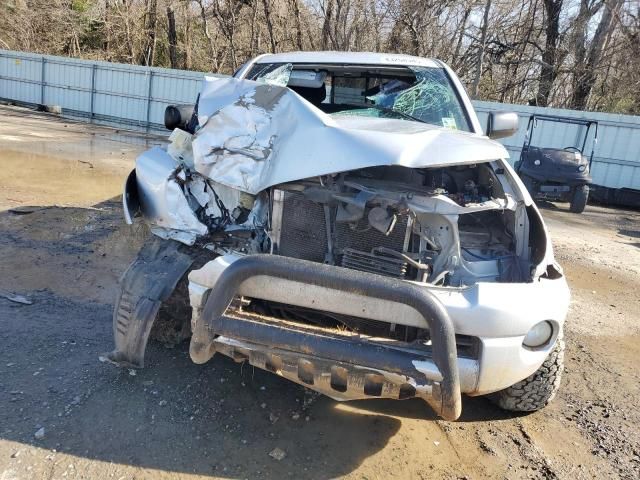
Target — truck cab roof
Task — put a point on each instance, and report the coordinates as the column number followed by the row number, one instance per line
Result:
column 349, row 58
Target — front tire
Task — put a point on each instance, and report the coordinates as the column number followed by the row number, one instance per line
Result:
column 536, row 391
column 579, row 199
column 173, row 323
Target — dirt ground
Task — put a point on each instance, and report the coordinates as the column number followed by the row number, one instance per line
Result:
column 175, row 419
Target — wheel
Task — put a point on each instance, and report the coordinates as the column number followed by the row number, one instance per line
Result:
column 579, row 199
column 536, row 391
column 173, row 323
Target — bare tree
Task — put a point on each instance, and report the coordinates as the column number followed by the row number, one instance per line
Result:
column 172, row 37
column 147, row 55
column 483, row 45
column 588, row 57
column 549, row 65
column 269, row 23
column 581, row 54
column 213, row 51
column 295, row 8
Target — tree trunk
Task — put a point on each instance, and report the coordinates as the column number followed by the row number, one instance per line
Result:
column 296, row 16
column 483, row 46
column 326, row 25
column 269, row 22
column 592, row 57
column 254, row 24
column 213, row 52
column 172, row 37
column 107, row 27
column 549, row 67
column 148, row 54
column 188, row 60
column 461, row 30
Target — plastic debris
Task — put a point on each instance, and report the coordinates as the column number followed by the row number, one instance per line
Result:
column 278, row 453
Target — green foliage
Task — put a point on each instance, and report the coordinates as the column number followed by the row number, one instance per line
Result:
column 81, row 6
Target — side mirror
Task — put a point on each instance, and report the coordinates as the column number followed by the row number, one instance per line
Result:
column 178, row 116
column 502, row 124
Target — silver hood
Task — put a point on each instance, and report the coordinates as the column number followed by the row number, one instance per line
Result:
column 254, row 135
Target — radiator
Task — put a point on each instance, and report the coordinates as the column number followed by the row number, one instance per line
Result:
column 303, row 234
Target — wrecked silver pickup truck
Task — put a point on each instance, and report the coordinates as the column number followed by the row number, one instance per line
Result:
column 341, row 220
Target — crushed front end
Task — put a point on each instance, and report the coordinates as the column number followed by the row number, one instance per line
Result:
column 362, row 258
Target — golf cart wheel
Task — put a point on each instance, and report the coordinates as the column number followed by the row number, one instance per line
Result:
column 579, row 199
column 536, row 391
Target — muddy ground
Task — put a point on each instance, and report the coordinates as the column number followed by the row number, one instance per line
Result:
column 175, row 419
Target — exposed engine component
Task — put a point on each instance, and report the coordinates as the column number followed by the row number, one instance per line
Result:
column 374, row 262
column 449, row 226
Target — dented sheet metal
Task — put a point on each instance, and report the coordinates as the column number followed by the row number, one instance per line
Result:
column 253, row 136
column 163, row 200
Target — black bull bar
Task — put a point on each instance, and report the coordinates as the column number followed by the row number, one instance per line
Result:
column 446, row 392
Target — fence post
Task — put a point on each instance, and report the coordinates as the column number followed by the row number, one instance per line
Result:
column 42, row 78
column 93, row 89
column 149, row 99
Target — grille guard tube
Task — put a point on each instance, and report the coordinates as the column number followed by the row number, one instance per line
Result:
column 447, row 397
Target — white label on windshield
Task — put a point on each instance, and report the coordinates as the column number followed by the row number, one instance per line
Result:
column 449, row 122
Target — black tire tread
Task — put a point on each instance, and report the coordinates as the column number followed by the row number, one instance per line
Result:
column 579, row 199
column 173, row 323
column 536, row 391
column 172, row 326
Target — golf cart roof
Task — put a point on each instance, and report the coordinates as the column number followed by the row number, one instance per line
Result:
column 559, row 119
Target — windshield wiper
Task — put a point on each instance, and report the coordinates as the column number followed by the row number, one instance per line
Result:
column 387, row 110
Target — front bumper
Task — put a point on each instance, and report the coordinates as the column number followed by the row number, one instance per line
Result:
column 339, row 366
column 498, row 315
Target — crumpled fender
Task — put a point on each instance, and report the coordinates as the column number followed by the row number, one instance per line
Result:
column 149, row 281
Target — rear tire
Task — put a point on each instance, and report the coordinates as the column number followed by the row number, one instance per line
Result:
column 536, row 391
column 579, row 199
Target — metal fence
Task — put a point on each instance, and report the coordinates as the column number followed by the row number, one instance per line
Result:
column 102, row 91
column 137, row 96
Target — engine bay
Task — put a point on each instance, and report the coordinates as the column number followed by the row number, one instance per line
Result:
column 450, row 226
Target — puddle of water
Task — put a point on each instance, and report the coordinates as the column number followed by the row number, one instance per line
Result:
column 50, row 161
column 38, row 179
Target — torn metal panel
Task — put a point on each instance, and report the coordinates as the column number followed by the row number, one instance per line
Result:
column 180, row 147
column 253, row 136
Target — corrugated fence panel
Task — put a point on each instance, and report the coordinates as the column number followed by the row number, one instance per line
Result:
column 67, row 85
column 616, row 161
column 20, row 77
column 102, row 91
column 137, row 96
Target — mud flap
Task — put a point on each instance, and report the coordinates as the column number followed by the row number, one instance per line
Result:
column 148, row 282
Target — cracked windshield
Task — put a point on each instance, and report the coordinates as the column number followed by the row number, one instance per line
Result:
column 422, row 94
